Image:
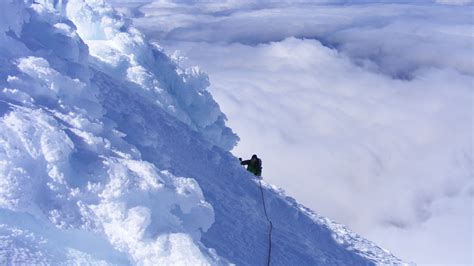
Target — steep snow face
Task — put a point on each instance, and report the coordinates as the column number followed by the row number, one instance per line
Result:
column 63, row 165
column 112, row 154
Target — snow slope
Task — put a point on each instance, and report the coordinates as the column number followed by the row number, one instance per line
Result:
column 113, row 154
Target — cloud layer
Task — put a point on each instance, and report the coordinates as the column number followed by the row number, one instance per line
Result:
column 363, row 112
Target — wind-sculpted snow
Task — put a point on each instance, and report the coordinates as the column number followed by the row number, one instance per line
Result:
column 122, row 51
column 112, row 154
column 64, row 165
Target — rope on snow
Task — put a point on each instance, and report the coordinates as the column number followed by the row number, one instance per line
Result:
column 271, row 225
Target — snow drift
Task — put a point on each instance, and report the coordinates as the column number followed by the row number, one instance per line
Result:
column 111, row 153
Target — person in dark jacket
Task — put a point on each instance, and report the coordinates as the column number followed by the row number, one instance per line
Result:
column 254, row 165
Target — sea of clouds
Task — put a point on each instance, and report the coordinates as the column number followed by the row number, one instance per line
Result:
column 362, row 110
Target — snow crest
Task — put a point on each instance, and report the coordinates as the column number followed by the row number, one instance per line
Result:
column 122, row 52
column 64, row 166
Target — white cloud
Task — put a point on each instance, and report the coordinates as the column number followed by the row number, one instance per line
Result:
column 369, row 150
column 454, row 2
column 397, row 38
column 375, row 131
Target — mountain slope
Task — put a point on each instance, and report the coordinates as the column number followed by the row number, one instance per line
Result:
column 239, row 232
column 113, row 154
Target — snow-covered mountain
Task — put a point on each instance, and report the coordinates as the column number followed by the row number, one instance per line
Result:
column 111, row 153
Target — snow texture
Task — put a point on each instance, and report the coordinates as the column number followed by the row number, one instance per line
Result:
column 111, row 153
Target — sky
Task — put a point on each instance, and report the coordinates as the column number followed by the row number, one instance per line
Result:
column 361, row 110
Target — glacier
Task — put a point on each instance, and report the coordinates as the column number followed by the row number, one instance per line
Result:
column 113, row 154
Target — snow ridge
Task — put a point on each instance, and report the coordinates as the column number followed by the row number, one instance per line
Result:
column 65, row 164
column 343, row 235
column 113, row 154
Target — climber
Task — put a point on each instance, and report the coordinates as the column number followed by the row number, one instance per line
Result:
column 254, row 165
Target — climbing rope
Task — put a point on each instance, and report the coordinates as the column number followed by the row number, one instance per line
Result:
column 271, row 225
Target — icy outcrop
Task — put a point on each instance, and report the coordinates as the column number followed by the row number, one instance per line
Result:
column 112, row 154
column 121, row 51
column 64, row 164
